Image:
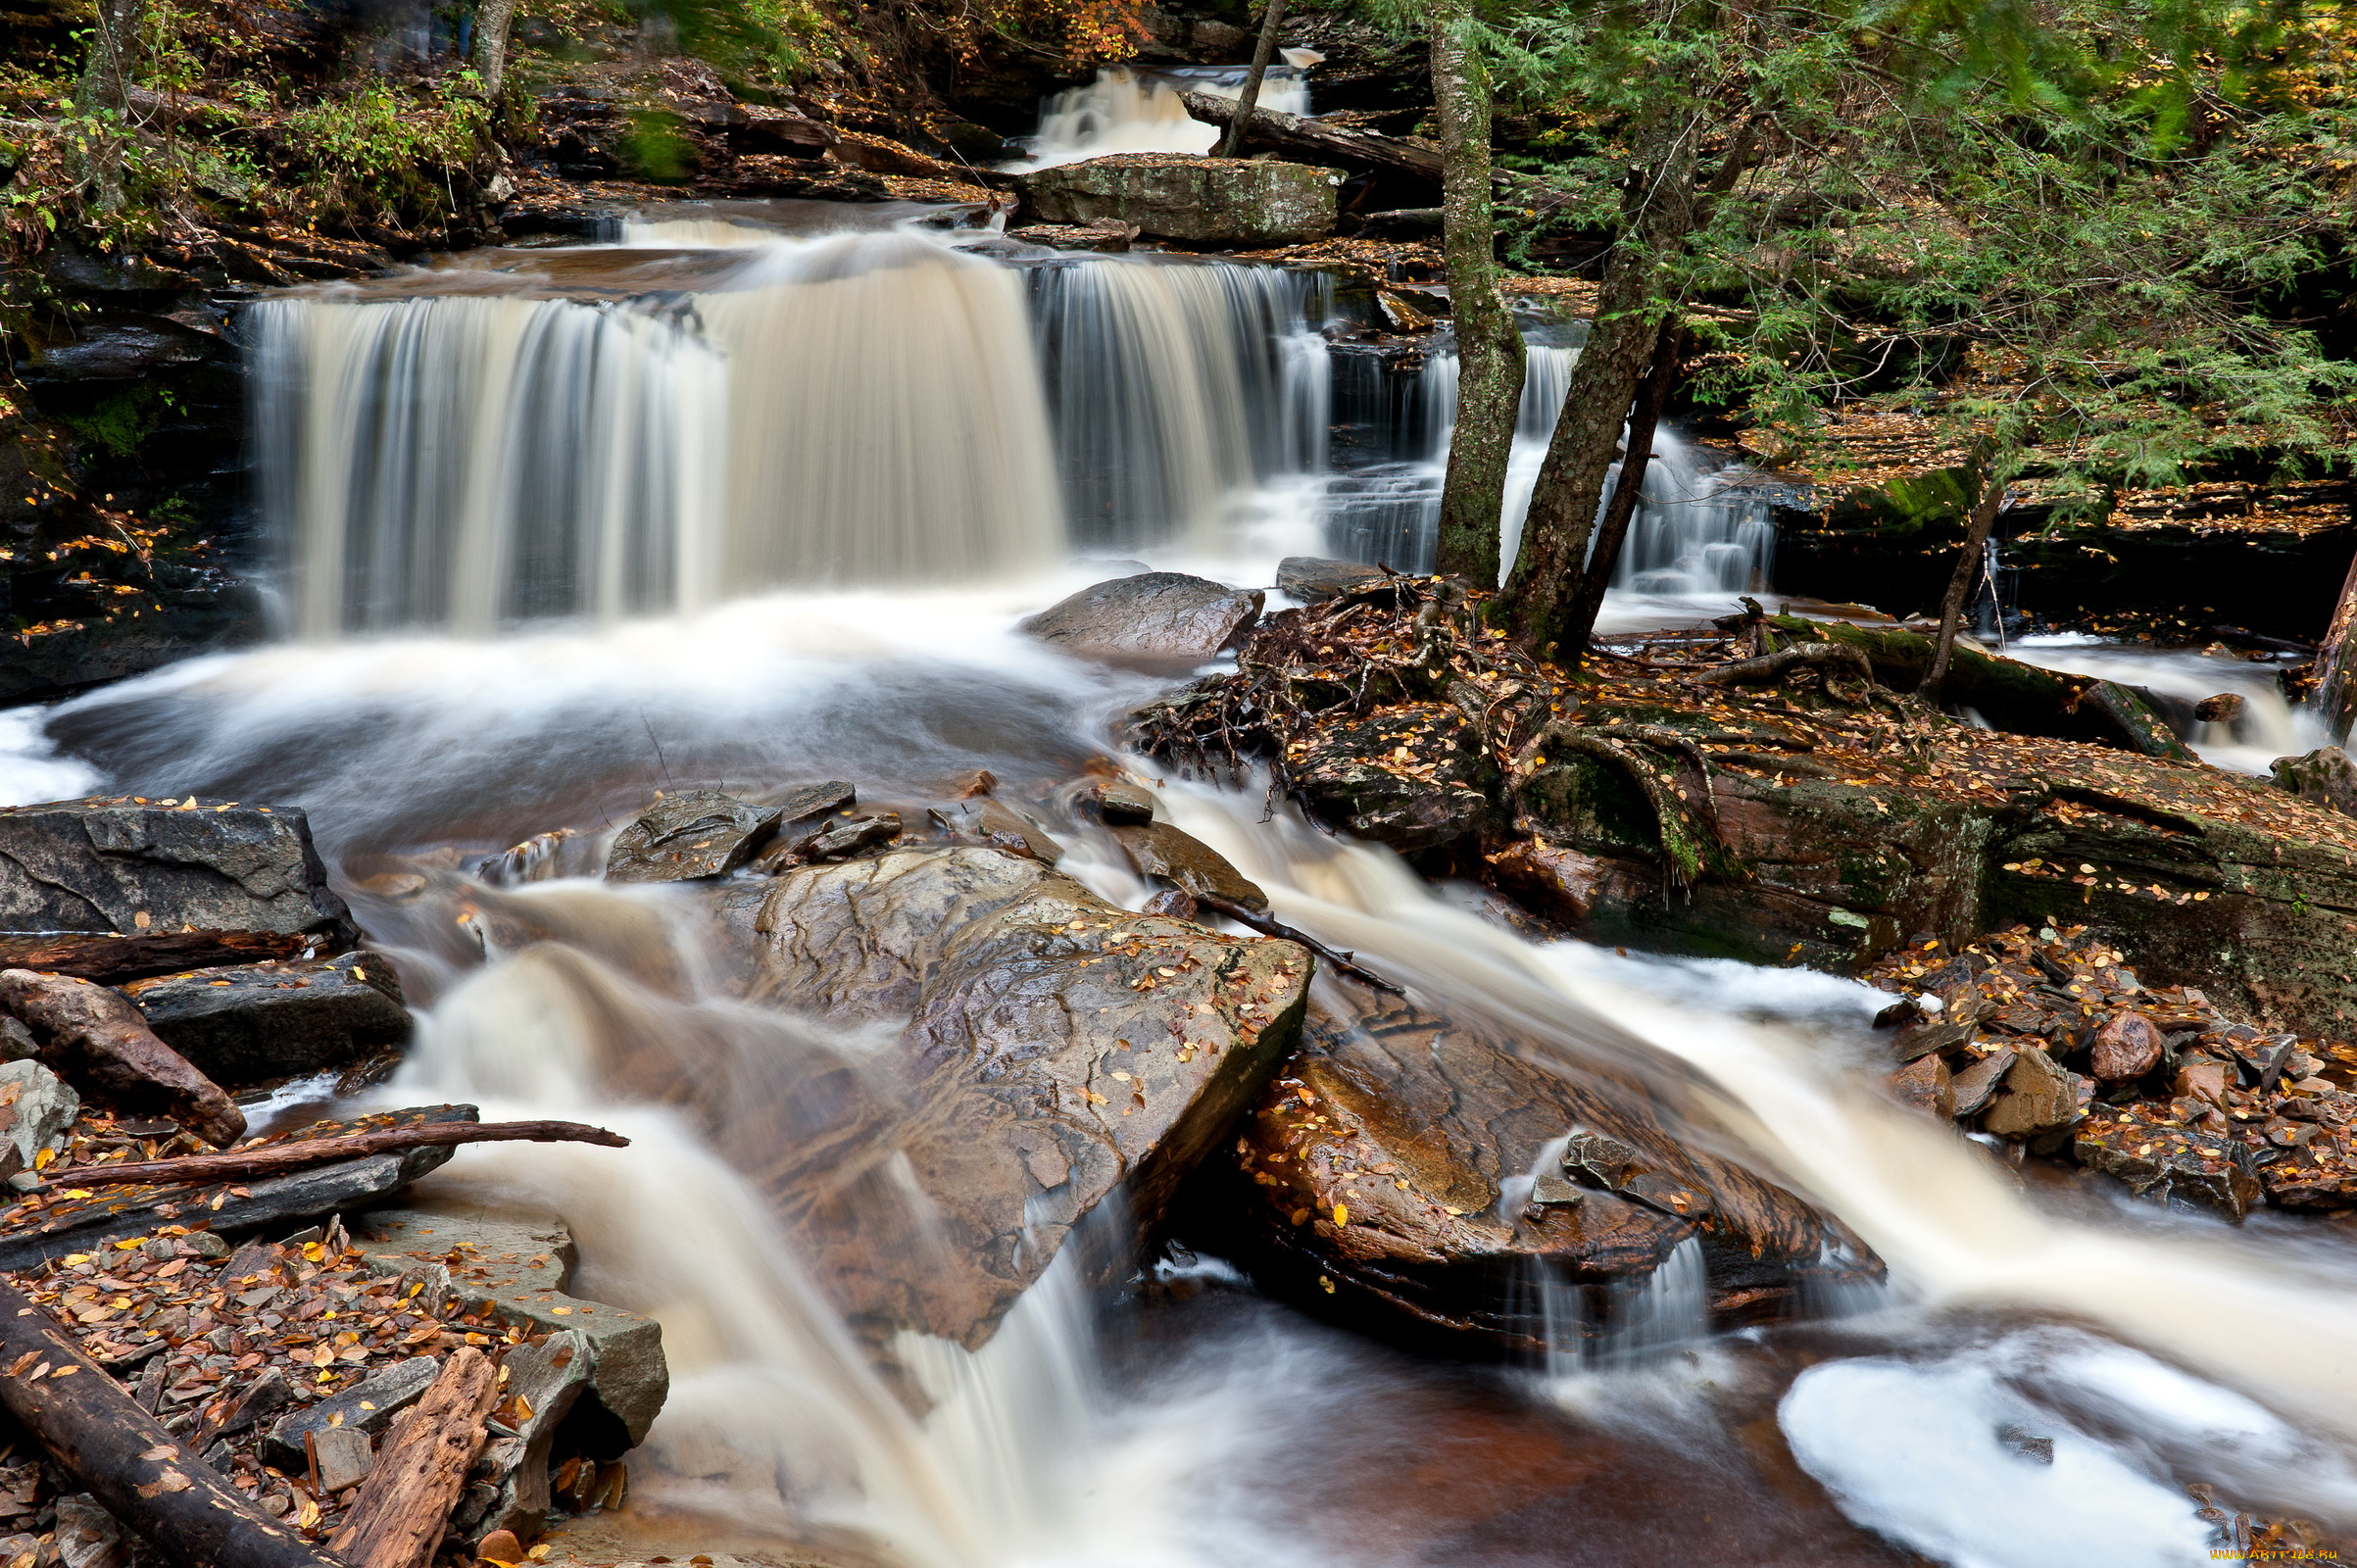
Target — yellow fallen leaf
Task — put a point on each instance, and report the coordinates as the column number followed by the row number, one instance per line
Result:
column 1341, row 1215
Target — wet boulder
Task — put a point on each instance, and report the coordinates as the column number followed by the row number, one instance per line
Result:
column 1202, row 201
column 1053, row 1049
column 1312, row 579
column 126, row 865
column 37, row 1109
column 1424, row 1179
column 2325, row 775
column 1411, row 775
column 689, row 836
column 1161, row 853
column 248, row 1022
column 1155, row 620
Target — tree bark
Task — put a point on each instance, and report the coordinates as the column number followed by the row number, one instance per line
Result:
column 103, row 93
column 1651, row 398
column 492, row 20
column 2336, row 663
column 1320, row 143
column 1553, row 551
column 1272, row 17
column 1489, row 346
column 404, row 1507
column 1959, row 586
column 96, row 1034
column 277, row 1159
column 93, row 1428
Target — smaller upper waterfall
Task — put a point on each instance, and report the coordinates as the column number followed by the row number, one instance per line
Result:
column 1124, row 111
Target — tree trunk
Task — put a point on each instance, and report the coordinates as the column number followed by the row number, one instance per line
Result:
column 2335, row 697
column 492, row 20
column 95, row 1034
column 1272, row 18
column 1553, row 552
column 98, row 1434
column 1488, row 346
column 404, row 1507
column 1651, row 398
column 276, row 1159
column 1959, row 587
column 105, row 93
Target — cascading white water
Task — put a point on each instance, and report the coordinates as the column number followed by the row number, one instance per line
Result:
column 1176, row 389
column 472, row 461
column 1692, row 534
column 1054, row 1444
column 1126, row 111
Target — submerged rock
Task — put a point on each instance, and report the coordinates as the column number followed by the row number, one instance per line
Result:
column 1204, row 200
column 689, row 836
column 1056, row 1047
column 1157, row 619
column 1400, row 1170
column 123, row 864
column 249, row 1022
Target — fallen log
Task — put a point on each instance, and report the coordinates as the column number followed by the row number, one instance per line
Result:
column 1322, row 144
column 97, row 1035
column 197, row 1170
column 404, row 1507
column 112, row 957
column 1775, row 667
column 98, row 1434
column 2011, row 695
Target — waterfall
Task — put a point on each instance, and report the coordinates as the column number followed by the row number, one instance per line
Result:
column 471, row 461
column 1692, row 534
column 1175, row 388
column 1125, row 111
column 856, row 408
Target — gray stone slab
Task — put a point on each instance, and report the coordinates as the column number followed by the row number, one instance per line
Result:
column 243, row 1023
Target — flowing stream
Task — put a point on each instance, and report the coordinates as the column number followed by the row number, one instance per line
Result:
column 562, row 532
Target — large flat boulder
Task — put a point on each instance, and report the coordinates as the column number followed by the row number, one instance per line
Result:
column 243, row 1023
column 1155, row 620
column 1052, row 1050
column 1203, row 201
column 1418, row 1177
column 126, row 864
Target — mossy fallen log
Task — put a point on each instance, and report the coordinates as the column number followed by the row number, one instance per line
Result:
column 2009, row 694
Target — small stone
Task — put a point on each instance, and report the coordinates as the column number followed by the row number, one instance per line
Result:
column 2203, row 1078
column 1162, row 851
column 2038, row 1450
column 1927, row 1085
column 2126, row 1048
column 846, row 839
column 1553, row 1189
column 1119, row 801
column 204, row 1244
column 2223, row 709
column 502, row 1548
column 87, row 1536
column 2325, row 775
column 2037, row 1097
column 689, row 836
column 42, row 1107
column 1603, row 1160
column 367, row 1407
column 345, row 1458
column 17, row 1043
column 1176, row 902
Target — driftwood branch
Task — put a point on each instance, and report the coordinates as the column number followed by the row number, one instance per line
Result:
column 95, row 1034
column 1346, row 962
column 1959, row 587
column 404, row 1507
column 100, row 1436
column 236, row 1165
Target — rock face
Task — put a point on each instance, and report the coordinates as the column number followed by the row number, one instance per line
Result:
column 1401, row 1170
column 1056, row 1047
column 684, row 837
column 117, row 864
column 250, row 1022
column 1157, row 619
column 1203, row 201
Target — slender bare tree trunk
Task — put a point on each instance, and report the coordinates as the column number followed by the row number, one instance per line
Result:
column 492, row 20
column 1613, row 529
column 1959, row 588
column 1488, row 348
column 1263, row 52
column 105, row 93
column 1553, row 554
